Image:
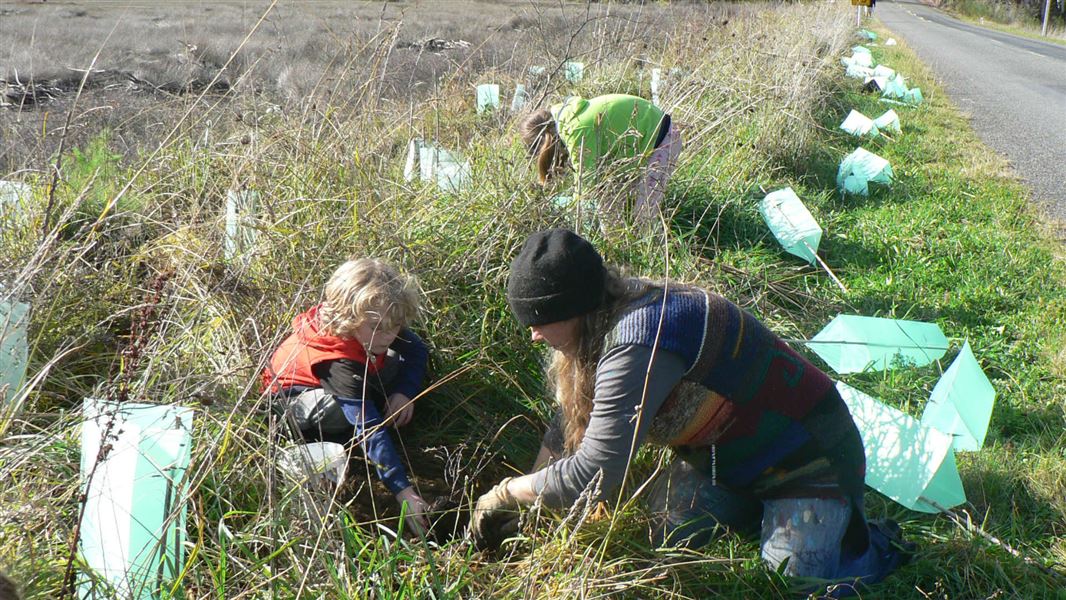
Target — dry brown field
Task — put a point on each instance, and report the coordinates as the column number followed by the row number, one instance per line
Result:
column 129, row 67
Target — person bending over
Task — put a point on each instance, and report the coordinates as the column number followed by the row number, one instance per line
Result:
column 762, row 438
column 606, row 134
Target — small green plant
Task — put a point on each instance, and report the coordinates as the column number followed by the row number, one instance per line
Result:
column 92, row 179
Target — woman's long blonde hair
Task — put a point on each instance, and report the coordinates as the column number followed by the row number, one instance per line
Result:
column 573, row 376
column 538, row 132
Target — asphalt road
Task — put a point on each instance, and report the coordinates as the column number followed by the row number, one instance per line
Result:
column 1013, row 88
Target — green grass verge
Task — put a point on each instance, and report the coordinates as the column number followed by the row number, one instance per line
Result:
column 956, row 240
column 1008, row 18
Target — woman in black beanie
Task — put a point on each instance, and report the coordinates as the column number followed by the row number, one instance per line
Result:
column 762, row 435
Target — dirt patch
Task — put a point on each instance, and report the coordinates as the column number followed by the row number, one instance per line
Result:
column 439, row 480
column 148, row 63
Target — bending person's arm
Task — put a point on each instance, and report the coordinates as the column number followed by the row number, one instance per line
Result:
column 614, row 431
column 373, row 437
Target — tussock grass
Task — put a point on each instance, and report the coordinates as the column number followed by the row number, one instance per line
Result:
column 953, row 241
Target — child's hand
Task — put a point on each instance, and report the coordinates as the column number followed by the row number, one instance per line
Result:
column 399, row 409
column 417, row 510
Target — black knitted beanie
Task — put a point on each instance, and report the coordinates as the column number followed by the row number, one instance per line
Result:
column 556, row 276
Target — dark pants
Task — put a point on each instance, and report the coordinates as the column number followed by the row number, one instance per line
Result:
column 315, row 415
column 808, row 533
column 804, row 534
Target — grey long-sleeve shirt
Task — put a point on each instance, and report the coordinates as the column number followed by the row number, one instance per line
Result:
column 614, row 431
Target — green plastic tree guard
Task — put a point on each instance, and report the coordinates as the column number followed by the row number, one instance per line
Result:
column 896, row 87
column 133, row 527
column 241, row 233
column 488, row 97
column 428, row 154
column 858, row 125
column 562, row 202
column 792, row 224
column 911, row 464
column 14, row 197
column 453, row 175
column 856, row 71
column 521, row 97
column 411, row 168
column 14, row 348
column 961, row 402
column 574, row 71
column 853, row 343
column 656, row 84
column 883, row 71
column 859, row 59
column 888, row 122
column 859, row 169
column 436, row 164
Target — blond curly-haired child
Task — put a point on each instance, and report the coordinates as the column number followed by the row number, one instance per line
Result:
column 350, row 368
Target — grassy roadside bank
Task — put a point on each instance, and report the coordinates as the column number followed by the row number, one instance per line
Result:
column 1008, row 18
column 1054, row 36
column 953, row 241
column 957, row 240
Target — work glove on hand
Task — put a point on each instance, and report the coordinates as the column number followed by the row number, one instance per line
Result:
column 495, row 517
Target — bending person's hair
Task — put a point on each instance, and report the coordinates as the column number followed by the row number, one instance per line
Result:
column 539, row 134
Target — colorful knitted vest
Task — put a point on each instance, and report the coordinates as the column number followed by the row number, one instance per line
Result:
column 749, row 409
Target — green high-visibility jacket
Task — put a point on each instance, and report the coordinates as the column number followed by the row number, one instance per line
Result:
column 606, row 129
